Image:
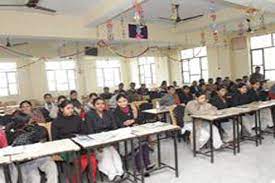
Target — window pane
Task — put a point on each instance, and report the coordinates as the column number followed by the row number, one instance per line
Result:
column 195, row 66
column 7, row 66
column 186, row 54
column 257, row 57
column 200, row 52
column 4, row 92
column 186, row 78
column 185, row 66
column 3, row 80
column 13, row 89
column 261, row 41
column 51, row 85
column 205, row 75
column 204, row 63
column 270, row 75
column 195, row 78
column 12, row 77
column 269, row 55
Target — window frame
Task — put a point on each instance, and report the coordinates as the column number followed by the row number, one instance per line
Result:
column 102, row 69
column 7, row 80
column 188, row 60
column 263, row 55
column 151, row 65
column 67, row 76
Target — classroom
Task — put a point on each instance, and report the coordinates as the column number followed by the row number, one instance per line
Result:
column 137, row 91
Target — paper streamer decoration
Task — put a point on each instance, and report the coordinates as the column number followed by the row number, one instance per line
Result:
column 122, row 26
column 139, row 16
column 110, row 34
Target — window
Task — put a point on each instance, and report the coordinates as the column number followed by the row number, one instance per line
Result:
column 263, row 54
column 8, row 79
column 108, row 73
column 61, row 75
column 194, row 64
column 147, row 70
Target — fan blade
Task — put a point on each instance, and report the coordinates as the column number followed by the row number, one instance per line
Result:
column 19, row 44
column 12, row 5
column 190, row 18
column 168, row 19
column 44, row 9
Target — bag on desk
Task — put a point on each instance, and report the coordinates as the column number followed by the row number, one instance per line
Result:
column 31, row 134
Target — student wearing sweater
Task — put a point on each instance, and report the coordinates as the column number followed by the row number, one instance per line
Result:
column 67, row 125
column 199, row 106
column 171, row 98
column 101, row 120
column 185, row 95
column 127, row 116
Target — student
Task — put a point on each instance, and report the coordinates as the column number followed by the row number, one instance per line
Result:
column 89, row 106
column 255, row 96
column 106, row 95
column 175, row 84
column 120, row 88
column 170, row 98
column 24, row 130
column 50, row 106
column 194, row 87
column 73, row 98
column 101, row 120
column 245, row 80
column 218, row 81
column 126, row 116
column 241, row 97
column 132, row 93
column 200, row 106
column 219, row 100
column 185, row 95
column 67, row 125
column 211, row 81
column 257, row 76
column 143, row 90
column 35, row 115
column 201, row 82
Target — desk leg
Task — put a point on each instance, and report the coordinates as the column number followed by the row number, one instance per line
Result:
column 90, row 167
column 126, row 155
column 141, row 160
column 234, row 135
column 211, row 141
column 77, row 167
column 176, row 154
column 20, row 178
column 238, row 132
column 133, row 159
column 159, row 149
column 260, row 126
column 194, row 138
column 256, row 128
column 7, row 174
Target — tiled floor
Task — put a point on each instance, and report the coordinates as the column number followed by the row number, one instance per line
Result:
column 252, row 165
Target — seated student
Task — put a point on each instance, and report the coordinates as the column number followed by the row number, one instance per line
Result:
column 154, row 94
column 50, row 107
column 120, row 88
column 77, row 104
column 241, row 98
column 200, row 106
column 218, row 81
column 271, row 92
column 106, row 95
column 201, row 82
column 175, row 84
column 185, row 95
column 126, row 116
column 101, row 120
column 163, row 88
column 170, row 98
column 194, row 87
column 245, row 80
column 143, row 90
column 219, row 100
column 255, row 95
column 132, row 93
column 34, row 114
column 89, row 106
column 24, row 130
column 67, row 125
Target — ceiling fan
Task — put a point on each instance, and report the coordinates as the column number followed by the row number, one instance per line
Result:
column 9, row 44
column 176, row 16
column 29, row 4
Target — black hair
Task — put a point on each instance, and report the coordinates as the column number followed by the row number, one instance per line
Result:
column 106, row 88
column 61, row 97
column 25, row 102
column 73, row 92
column 119, row 96
column 63, row 105
column 163, row 83
column 47, row 95
column 241, row 85
column 185, row 87
column 252, row 82
column 97, row 99
column 170, row 87
column 92, row 94
column 198, row 94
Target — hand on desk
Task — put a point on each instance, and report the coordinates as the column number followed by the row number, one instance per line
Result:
column 129, row 122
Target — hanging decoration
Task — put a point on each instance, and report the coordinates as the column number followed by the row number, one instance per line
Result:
column 224, row 35
column 139, row 15
column 174, row 15
column 241, row 29
column 203, row 41
column 213, row 17
column 122, row 26
column 110, row 33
